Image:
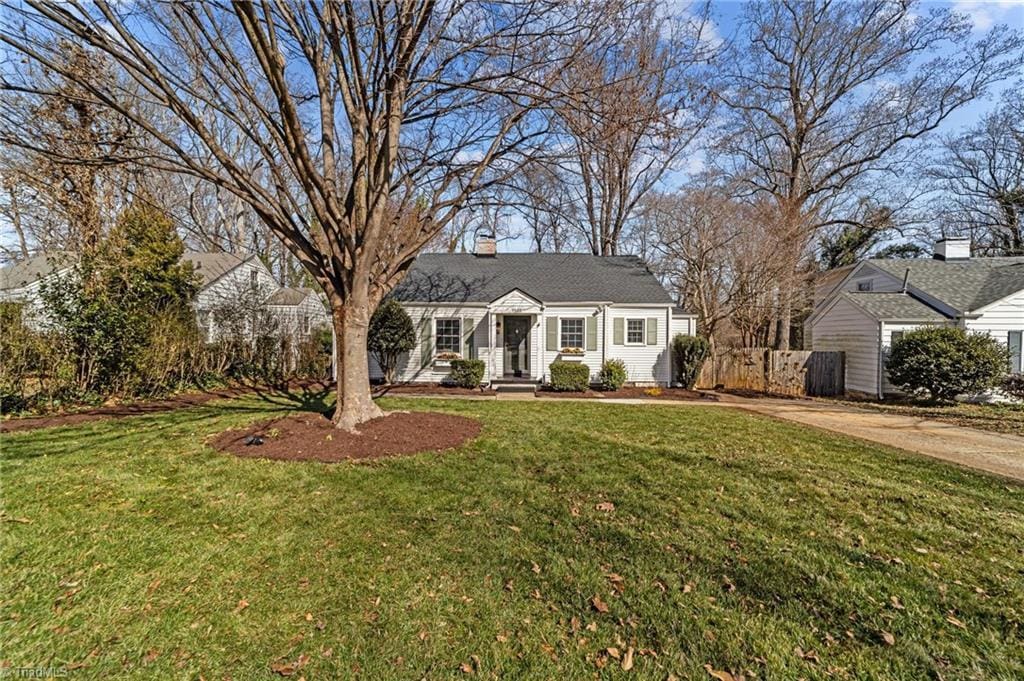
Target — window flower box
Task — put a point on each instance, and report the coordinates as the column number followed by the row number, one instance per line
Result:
column 571, row 354
column 444, row 359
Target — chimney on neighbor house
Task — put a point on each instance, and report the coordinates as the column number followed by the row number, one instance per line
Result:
column 952, row 248
column 486, row 245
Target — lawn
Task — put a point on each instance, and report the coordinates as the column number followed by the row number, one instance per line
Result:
column 1000, row 418
column 565, row 536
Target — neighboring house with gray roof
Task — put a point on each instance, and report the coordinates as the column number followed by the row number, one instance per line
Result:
column 519, row 312
column 232, row 286
column 876, row 300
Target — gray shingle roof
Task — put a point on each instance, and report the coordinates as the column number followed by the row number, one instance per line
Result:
column 548, row 277
column 289, row 296
column 893, row 306
column 213, row 266
column 964, row 285
column 18, row 274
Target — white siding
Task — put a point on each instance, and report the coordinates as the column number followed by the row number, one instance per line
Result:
column 410, row 367
column 1000, row 318
column 290, row 317
column 845, row 327
column 644, row 363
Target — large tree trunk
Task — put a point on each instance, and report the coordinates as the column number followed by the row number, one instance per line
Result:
column 355, row 402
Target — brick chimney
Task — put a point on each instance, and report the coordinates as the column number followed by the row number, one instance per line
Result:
column 486, row 245
column 952, row 248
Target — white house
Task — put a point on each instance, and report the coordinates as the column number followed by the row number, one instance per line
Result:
column 863, row 309
column 231, row 286
column 519, row 312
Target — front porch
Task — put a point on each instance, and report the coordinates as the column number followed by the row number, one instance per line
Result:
column 514, row 321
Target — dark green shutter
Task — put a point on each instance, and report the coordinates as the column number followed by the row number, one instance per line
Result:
column 426, row 341
column 468, row 328
column 618, row 331
column 652, row 330
column 591, row 333
column 552, row 334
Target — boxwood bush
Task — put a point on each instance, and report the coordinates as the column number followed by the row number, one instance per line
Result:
column 612, row 375
column 688, row 355
column 1013, row 385
column 467, row 373
column 945, row 361
column 569, row 376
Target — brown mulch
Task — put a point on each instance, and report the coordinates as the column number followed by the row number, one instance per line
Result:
column 636, row 392
column 427, row 389
column 312, row 437
column 135, row 408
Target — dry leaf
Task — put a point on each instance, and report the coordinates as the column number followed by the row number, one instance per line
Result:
column 895, row 602
column 242, row 605
column 466, row 668
column 515, row 529
column 613, row 652
column 605, row 506
column 591, row 627
column 289, row 668
column 150, row 655
column 627, row 661
column 888, row 638
column 720, row 675
column 955, row 622
column 535, row 568
column 598, row 604
column 424, row 635
column 618, row 583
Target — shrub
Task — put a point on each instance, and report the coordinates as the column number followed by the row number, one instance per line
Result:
column 569, row 376
column 467, row 373
column 1013, row 385
column 391, row 333
column 688, row 355
column 613, row 374
column 946, row 361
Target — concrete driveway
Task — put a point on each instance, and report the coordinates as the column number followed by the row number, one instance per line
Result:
column 992, row 452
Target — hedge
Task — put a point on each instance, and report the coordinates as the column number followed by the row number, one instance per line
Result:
column 569, row 376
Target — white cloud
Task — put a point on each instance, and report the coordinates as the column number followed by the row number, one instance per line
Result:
column 987, row 13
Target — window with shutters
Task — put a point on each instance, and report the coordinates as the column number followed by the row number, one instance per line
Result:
column 571, row 333
column 448, row 336
column 635, row 332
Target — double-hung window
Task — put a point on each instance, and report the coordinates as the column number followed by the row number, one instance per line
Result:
column 1015, row 341
column 448, row 335
column 571, row 333
column 635, row 332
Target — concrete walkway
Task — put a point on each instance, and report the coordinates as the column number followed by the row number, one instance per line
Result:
column 979, row 449
column 987, row 451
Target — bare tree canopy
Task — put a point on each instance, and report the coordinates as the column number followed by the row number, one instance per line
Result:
column 366, row 125
column 980, row 176
column 821, row 95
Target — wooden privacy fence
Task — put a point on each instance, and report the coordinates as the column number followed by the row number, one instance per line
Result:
column 794, row 372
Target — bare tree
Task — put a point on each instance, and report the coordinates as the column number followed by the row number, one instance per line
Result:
column 542, row 197
column 821, row 95
column 720, row 254
column 649, row 101
column 374, row 122
column 980, row 174
column 64, row 181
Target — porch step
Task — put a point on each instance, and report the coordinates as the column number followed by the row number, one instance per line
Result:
column 514, row 386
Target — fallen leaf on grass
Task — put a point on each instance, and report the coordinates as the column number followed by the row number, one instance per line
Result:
column 150, row 655
column 627, row 661
column 613, row 653
column 289, row 668
column 721, row 675
column 810, row 655
column 618, row 582
column 895, row 602
column 888, row 638
column 955, row 622
column 605, row 506
column 242, row 605
column 515, row 529
column 598, row 604
column 535, row 568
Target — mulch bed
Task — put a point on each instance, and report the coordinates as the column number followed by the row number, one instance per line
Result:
column 636, row 392
column 428, row 389
column 312, row 437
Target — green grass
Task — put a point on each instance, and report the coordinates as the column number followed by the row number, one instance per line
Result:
column 128, row 548
column 999, row 418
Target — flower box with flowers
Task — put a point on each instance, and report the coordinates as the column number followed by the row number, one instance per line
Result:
column 571, row 354
column 444, row 359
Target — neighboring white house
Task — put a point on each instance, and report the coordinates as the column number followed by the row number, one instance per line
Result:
column 232, row 286
column 876, row 300
column 519, row 312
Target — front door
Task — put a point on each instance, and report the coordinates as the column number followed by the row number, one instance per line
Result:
column 517, row 346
